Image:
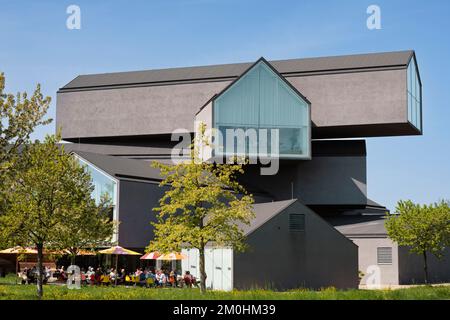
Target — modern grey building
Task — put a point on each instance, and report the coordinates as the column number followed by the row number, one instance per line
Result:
column 289, row 247
column 396, row 264
column 322, row 110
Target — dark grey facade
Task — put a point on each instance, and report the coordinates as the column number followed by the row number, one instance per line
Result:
column 120, row 122
column 411, row 267
column 281, row 258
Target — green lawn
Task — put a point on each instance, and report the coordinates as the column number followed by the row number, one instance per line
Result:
column 10, row 291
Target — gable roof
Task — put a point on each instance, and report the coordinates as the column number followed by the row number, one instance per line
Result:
column 267, row 63
column 230, row 85
column 360, row 226
column 231, row 71
column 264, row 212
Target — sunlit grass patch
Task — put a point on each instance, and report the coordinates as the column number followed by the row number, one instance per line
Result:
column 10, row 291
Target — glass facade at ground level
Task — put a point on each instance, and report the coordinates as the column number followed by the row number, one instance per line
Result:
column 414, row 92
column 260, row 99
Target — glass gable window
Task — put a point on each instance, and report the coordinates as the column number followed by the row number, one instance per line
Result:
column 414, row 96
column 103, row 184
column 260, row 99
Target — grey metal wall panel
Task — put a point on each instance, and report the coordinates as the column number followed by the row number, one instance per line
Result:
column 320, row 181
column 359, row 98
column 136, row 200
column 318, row 257
column 352, row 104
column 351, row 96
column 132, row 111
column 411, row 267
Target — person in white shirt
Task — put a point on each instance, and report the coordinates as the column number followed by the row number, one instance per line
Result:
column 112, row 274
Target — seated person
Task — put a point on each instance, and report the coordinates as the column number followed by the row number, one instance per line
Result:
column 83, row 277
column 113, row 275
column 32, row 274
column 160, row 278
column 47, row 272
column 121, row 276
column 172, row 279
column 98, row 275
column 24, row 275
column 142, row 278
column 150, row 275
column 188, row 279
column 92, row 279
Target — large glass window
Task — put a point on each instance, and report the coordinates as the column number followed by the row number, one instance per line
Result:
column 103, row 184
column 414, row 93
column 262, row 100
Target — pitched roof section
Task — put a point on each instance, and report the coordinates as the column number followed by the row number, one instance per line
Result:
column 267, row 63
column 120, row 167
column 264, row 212
column 118, row 150
column 231, row 71
column 360, row 226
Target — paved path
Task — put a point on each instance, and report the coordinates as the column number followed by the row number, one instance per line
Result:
column 402, row 286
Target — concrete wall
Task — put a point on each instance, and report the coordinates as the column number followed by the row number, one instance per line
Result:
column 132, row 111
column 367, row 256
column 136, row 201
column 277, row 258
column 411, row 267
column 353, row 99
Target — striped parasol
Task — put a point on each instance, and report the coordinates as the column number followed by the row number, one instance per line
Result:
column 118, row 250
column 82, row 252
column 172, row 256
column 151, row 256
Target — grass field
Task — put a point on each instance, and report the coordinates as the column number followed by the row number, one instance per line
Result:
column 10, row 291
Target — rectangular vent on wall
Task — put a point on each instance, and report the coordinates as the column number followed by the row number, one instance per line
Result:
column 296, row 222
column 384, row 255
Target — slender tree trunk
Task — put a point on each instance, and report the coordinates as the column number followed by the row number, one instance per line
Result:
column 425, row 266
column 202, row 270
column 40, row 257
column 72, row 259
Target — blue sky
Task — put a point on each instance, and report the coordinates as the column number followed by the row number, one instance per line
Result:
column 37, row 47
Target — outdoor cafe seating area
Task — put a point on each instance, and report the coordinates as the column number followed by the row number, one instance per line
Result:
column 160, row 270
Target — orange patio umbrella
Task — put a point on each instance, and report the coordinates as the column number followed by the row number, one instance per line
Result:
column 151, row 256
column 172, row 256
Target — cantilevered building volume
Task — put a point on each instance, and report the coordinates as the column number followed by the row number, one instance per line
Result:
column 118, row 122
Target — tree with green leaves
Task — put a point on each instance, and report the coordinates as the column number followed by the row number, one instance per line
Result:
column 19, row 116
column 48, row 195
column 89, row 225
column 204, row 204
column 423, row 228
